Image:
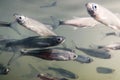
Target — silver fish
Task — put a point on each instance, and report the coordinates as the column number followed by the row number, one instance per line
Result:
column 33, row 25
column 78, row 22
column 51, row 54
column 113, row 46
column 103, row 15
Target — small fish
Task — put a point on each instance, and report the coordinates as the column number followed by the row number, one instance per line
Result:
column 114, row 46
column 35, row 42
column 46, row 77
column 77, row 22
column 3, row 70
column 99, row 53
column 33, row 25
column 49, row 5
column 83, row 59
column 103, row 15
column 51, row 54
column 104, row 70
column 64, row 72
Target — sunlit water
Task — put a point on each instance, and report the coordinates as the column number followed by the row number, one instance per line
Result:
column 65, row 9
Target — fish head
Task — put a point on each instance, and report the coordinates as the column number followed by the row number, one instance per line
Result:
column 72, row 55
column 6, row 70
column 19, row 18
column 92, row 9
column 57, row 40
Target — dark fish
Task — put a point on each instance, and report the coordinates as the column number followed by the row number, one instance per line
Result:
column 49, row 5
column 104, row 70
column 64, row 72
column 51, row 54
column 36, row 42
column 99, row 53
column 9, row 25
column 83, row 59
column 3, row 70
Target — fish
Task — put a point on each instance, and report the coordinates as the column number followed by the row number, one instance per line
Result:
column 98, row 53
column 113, row 46
column 104, row 70
column 43, row 76
column 103, row 15
column 49, row 5
column 51, row 54
column 46, row 77
column 4, row 70
column 9, row 25
column 34, row 42
column 84, row 22
column 76, row 22
column 33, row 25
column 64, row 72
column 83, row 59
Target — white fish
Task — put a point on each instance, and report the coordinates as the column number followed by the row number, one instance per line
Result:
column 77, row 22
column 103, row 15
column 33, row 25
column 113, row 46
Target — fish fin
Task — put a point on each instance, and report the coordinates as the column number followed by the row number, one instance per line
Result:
column 15, row 28
column 114, row 27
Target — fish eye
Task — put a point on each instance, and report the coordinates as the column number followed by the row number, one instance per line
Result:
column 94, row 7
column 59, row 39
column 75, row 56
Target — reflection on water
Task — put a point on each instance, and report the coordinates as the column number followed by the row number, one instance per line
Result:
column 63, row 10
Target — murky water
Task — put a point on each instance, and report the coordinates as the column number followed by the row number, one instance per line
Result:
column 65, row 9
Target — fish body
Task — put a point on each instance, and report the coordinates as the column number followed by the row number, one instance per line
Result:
column 36, row 42
column 114, row 46
column 99, row 53
column 46, row 77
column 33, row 25
column 84, row 22
column 104, row 70
column 64, row 72
column 51, row 54
column 103, row 15
column 83, row 59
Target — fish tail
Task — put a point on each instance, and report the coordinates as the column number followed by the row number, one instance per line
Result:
column 56, row 22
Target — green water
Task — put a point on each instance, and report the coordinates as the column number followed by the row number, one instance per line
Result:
column 65, row 9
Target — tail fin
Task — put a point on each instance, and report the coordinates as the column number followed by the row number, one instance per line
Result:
column 56, row 22
column 10, row 25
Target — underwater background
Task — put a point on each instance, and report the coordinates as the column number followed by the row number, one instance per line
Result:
column 83, row 37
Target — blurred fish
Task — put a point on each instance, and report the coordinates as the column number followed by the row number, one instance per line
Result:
column 33, row 25
column 99, row 53
column 49, row 5
column 34, row 42
column 46, row 77
column 9, row 25
column 51, row 54
column 83, row 59
column 104, row 70
column 77, row 22
column 103, row 15
column 113, row 46
column 109, row 34
column 3, row 70
column 64, row 72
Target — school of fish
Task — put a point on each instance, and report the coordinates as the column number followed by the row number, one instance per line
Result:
column 44, row 45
